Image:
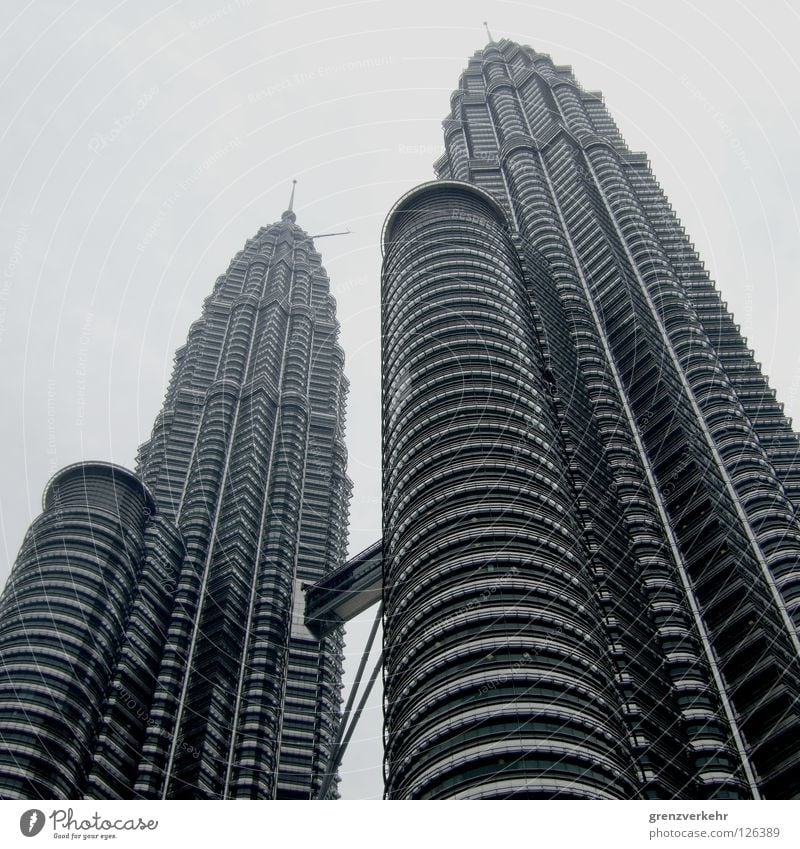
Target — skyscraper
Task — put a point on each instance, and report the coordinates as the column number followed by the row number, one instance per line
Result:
column 591, row 550
column 152, row 636
column 590, row 562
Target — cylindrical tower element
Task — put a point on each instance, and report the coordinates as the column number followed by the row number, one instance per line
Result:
column 61, row 616
column 496, row 681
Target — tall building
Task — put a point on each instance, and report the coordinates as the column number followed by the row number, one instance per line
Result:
column 152, row 634
column 591, row 548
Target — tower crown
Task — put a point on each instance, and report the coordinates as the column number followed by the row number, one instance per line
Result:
column 289, row 215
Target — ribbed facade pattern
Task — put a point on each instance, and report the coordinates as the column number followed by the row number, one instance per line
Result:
column 494, row 672
column 206, row 682
column 679, row 469
column 248, row 453
column 63, row 614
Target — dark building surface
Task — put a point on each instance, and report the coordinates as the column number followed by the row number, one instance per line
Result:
column 152, row 635
column 591, row 548
column 63, row 612
column 590, row 566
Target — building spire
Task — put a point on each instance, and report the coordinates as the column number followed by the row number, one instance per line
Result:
column 289, row 214
column 488, row 32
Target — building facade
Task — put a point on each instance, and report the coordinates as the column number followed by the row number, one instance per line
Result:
column 152, row 633
column 590, row 564
column 591, row 547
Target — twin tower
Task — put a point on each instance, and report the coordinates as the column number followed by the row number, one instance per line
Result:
column 590, row 563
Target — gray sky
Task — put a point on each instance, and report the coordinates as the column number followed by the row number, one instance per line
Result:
column 143, row 142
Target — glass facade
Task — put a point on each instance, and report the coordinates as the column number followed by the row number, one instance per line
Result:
column 566, row 394
column 590, row 563
column 163, row 653
column 63, row 612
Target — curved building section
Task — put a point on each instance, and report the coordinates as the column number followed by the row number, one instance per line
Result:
column 700, row 463
column 61, row 615
column 126, row 713
column 166, row 655
column 248, row 458
column 497, row 680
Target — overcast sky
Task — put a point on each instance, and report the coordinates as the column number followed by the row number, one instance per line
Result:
column 143, row 142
